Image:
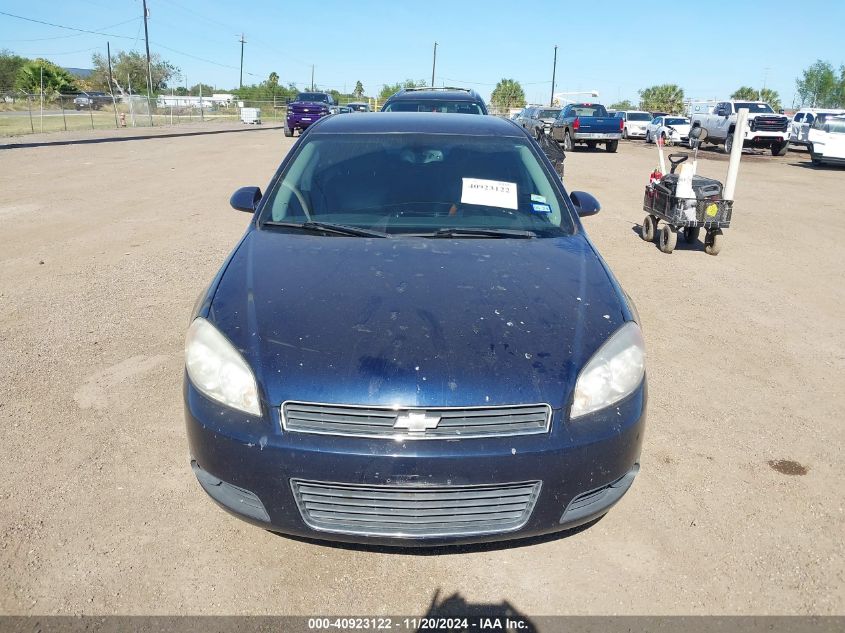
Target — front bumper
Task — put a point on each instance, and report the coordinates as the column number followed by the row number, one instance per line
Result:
column 247, row 464
column 301, row 122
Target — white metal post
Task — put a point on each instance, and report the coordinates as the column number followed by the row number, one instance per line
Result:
column 736, row 153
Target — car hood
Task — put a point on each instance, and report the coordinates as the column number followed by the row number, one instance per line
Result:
column 416, row 321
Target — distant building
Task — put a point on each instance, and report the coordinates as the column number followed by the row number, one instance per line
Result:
column 177, row 101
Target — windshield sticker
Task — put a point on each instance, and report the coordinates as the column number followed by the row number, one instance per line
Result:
column 489, row 193
column 541, row 208
column 536, row 198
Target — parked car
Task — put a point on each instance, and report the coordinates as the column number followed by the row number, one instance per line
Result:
column 635, row 122
column 803, row 120
column 444, row 100
column 358, row 106
column 826, row 140
column 415, row 343
column 672, row 129
column 95, row 100
column 587, row 123
column 306, row 109
column 763, row 129
column 538, row 120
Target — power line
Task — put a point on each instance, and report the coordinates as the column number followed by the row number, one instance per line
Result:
column 61, row 26
column 125, row 37
column 63, row 37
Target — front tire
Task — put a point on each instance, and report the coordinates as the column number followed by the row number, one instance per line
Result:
column 713, row 242
column 611, row 146
column 648, row 137
column 780, row 149
column 625, row 133
column 729, row 143
column 649, row 229
column 288, row 131
column 568, row 144
column 668, row 239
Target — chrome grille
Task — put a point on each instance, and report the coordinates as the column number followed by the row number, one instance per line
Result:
column 769, row 124
column 455, row 423
column 415, row 511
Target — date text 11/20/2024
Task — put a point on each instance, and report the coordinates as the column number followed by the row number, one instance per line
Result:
column 419, row 624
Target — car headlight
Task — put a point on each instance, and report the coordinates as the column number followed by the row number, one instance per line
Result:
column 614, row 372
column 218, row 370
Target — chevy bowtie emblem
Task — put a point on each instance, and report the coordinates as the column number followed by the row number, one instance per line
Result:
column 416, row 421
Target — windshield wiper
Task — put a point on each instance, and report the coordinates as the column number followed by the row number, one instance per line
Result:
column 329, row 227
column 469, row 232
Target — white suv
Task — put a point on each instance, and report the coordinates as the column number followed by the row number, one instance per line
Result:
column 803, row 119
column 635, row 122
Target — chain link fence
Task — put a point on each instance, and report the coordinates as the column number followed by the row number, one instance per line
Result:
column 22, row 113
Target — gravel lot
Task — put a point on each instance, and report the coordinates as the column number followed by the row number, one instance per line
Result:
column 104, row 248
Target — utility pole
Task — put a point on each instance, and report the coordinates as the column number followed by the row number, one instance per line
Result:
column 554, row 70
column 241, row 81
column 149, row 65
column 433, row 64
column 312, row 77
column 111, row 85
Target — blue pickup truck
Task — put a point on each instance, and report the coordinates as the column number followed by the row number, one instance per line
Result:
column 587, row 123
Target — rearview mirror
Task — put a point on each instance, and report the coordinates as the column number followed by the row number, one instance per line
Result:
column 585, row 204
column 698, row 133
column 246, row 199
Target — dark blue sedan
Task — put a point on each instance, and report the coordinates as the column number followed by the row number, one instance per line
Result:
column 415, row 342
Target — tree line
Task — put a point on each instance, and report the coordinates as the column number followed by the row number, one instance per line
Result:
column 819, row 85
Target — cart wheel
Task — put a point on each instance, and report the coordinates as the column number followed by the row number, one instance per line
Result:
column 668, row 239
column 713, row 242
column 649, row 228
column 691, row 234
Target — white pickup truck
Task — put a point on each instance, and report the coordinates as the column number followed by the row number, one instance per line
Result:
column 764, row 127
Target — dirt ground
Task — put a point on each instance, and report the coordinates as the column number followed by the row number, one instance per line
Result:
column 103, row 249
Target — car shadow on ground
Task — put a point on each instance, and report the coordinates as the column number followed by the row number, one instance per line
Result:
column 444, row 550
column 824, row 167
column 457, row 607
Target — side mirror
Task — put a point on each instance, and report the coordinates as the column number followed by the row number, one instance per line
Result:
column 585, row 204
column 246, row 199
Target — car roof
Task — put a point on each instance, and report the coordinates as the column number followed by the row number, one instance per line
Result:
column 452, row 94
column 418, row 123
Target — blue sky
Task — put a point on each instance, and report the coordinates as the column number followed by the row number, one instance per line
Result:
column 613, row 47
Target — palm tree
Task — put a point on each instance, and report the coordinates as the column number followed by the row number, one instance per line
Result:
column 508, row 94
column 662, row 98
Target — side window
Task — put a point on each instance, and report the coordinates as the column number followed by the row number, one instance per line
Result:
column 799, row 117
column 810, row 118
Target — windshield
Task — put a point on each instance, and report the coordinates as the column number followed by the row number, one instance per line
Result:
column 676, row 121
column 359, row 107
column 312, row 96
column 588, row 109
column 831, row 124
column 419, row 184
column 754, row 108
column 433, row 105
column 639, row 116
column 548, row 114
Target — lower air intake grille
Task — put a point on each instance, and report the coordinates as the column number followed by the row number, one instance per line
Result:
column 415, row 511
